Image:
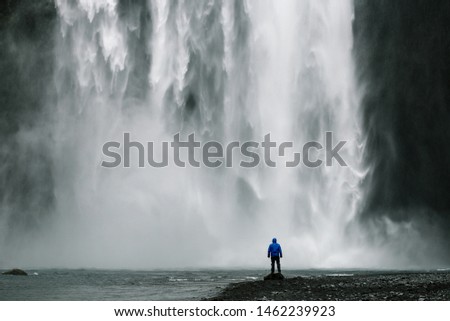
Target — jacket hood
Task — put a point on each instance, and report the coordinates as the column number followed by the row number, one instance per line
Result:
column 274, row 240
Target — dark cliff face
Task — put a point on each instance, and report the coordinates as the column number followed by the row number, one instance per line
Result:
column 27, row 40
column 26, row 68
column 402, row 51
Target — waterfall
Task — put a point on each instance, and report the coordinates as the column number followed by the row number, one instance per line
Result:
column 226, row 71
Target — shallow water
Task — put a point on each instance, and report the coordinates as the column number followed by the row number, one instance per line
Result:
column 84, row 284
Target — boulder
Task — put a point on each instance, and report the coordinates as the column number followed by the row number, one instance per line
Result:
column 274, row 276
column 15, row 272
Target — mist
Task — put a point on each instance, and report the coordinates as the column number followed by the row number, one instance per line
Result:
column 77, row 74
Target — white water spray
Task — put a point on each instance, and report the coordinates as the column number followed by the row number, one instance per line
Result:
column 231, row 70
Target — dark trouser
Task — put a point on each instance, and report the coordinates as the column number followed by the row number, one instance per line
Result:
column 275, row 259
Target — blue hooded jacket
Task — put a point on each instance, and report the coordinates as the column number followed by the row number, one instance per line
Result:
column 275, row 249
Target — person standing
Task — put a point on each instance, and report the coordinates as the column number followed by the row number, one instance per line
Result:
column 275, row 253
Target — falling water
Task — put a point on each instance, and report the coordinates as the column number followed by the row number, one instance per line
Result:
column 232, row 70
column 225, row 70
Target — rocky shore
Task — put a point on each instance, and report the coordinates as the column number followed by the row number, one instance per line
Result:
column 15, row 272
column 395, row 286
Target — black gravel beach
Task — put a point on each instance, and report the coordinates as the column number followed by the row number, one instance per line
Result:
column 392, row 286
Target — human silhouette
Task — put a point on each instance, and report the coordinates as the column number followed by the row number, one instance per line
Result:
column 275, row 253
